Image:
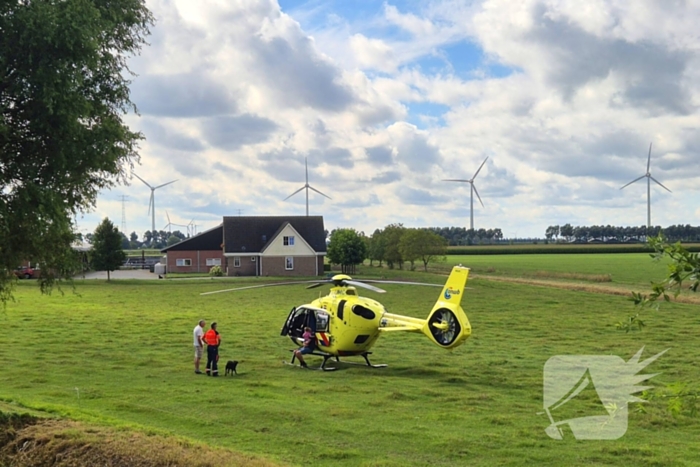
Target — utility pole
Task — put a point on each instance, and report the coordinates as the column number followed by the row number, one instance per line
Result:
column 124, row 197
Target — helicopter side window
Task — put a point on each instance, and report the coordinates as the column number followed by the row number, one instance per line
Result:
column 322, row 320
column 366, row 313
column 341, row 307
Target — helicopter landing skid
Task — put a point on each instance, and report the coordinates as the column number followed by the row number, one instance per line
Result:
column 366, row 357
column 327, row 357
column 323, row 367
column 320, row 368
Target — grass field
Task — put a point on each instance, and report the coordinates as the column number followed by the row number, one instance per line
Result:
column 635, row 269
column 120, row 354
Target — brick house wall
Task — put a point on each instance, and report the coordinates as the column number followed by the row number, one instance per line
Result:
column 247, row 267
column 303, row 266
column 198, row 260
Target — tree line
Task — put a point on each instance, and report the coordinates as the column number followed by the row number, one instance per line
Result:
column 394, row 245
column 157, row 239
column 608, row 233
column 459, row 236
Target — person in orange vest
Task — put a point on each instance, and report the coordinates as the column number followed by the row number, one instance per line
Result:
column 212, row 339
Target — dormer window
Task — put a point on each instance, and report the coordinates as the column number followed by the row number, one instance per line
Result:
column 288, row 241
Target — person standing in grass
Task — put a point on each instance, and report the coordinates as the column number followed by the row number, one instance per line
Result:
column 212, row 339
column 198, row 344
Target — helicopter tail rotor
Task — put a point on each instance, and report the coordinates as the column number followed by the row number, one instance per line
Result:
column 447, row 324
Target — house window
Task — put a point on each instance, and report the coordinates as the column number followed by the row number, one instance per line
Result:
column 288, row 241
column 213, row 261
column 183, row 262
column 236, row 261
column 289, row 263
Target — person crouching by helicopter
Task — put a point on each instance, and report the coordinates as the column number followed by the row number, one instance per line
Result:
column 307, row 347
column 213, row 340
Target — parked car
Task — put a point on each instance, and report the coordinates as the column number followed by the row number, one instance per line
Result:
column 26, row 272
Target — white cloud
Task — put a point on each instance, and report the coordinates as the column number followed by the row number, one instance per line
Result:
column 373, row 53
column 234, row 96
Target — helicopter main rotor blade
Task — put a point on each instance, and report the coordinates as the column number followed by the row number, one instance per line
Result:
column 318, row 284
column 403, row 283
column 255, row 287
column 455, row 180
column 365, row 286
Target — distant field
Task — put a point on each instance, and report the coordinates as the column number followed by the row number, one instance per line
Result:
column 636, row 269
column 119, row 354
column 557, row 248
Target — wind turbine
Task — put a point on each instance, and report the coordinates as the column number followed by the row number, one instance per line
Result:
column 649, row 179
column 168, row 226
column 152, row 202
column 191, row 227
column 471, row 196
column 308, row 187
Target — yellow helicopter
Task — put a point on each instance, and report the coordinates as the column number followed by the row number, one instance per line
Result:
column 346, row 324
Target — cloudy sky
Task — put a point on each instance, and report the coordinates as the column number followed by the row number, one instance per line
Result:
column 387, row 98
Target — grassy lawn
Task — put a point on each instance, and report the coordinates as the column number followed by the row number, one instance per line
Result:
column 120, row 354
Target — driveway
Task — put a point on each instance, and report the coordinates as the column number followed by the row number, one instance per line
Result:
column 121, row 274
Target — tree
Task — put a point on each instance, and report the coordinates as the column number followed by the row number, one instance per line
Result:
column 147, row 237
column 63, row 94
column 107, row 253
column 126, row 244
column 173, row 239
column 346, row 248
column 419, row 244
column 377, row 247
column 567, row 231
column 684, row 268
column 392, row 236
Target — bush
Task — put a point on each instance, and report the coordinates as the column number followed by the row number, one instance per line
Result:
column 216, row 271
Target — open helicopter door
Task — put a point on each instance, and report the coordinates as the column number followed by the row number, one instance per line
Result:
column 301, row 317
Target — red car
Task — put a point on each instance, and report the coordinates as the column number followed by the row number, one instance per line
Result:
column 25, row 272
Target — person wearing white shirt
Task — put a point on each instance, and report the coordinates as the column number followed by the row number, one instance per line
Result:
column 198, row 333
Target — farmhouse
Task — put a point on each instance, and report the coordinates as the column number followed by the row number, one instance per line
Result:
column 254, row 246
column 198, row 253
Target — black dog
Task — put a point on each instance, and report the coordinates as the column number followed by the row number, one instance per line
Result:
column 231, row 367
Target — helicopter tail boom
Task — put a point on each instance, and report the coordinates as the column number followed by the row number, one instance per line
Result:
column 447, row 324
